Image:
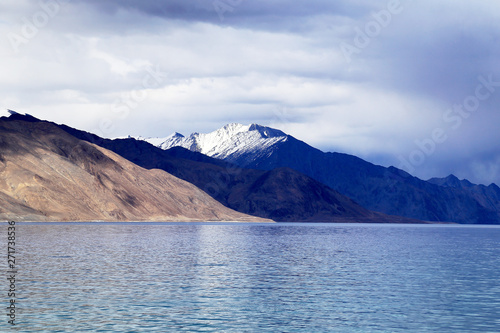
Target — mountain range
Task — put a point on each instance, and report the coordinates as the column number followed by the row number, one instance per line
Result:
column 92, row 178
column 387, row 190
column 254, row 173
column 47, row 174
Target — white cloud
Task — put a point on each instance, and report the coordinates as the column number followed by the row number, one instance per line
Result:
column 275, row 63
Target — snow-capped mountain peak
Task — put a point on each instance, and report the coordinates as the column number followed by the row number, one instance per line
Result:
column 230, row 140
column 175, row 137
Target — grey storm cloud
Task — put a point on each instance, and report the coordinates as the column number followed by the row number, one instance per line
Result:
column 269, row 15
column 371, row 78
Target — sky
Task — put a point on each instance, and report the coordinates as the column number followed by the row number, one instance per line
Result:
column 413, row 84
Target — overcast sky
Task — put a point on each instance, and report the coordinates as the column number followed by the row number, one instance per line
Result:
column 414, row 84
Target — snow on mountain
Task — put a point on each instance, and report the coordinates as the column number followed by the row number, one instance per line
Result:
column 158, row 142
column 232, row 140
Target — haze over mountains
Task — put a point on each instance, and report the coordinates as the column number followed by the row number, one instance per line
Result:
column 388, row 190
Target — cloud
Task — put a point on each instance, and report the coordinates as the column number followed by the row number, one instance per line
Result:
column 273, row 15
column 272, row 62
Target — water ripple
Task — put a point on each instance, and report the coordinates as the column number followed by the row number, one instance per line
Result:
column 257, row 278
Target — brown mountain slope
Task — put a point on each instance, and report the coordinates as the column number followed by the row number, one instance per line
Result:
column 283, row 195
column 48, row 175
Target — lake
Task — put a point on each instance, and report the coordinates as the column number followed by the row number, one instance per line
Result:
column 255, row 278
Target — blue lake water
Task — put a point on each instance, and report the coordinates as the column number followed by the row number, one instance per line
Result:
column 256, row 278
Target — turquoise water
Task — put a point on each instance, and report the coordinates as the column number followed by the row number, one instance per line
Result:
column 256, row 278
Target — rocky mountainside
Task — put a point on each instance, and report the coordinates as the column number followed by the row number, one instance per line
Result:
column 388, row 190
column 48, row 175
column 281, row 195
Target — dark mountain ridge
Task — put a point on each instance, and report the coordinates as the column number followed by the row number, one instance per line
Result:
column 388, row 190
column 282, row 194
